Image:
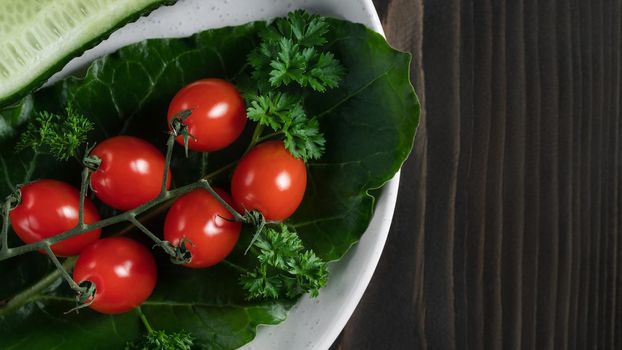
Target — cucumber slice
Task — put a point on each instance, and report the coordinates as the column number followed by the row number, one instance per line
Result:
column 38, row 37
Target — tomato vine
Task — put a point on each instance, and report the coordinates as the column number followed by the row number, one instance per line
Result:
column 179, row 254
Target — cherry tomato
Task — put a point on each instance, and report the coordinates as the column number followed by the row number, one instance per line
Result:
column 130, row 173
column 218, row 116
column 205, row 224
column 123, row 270
column 271, row 180
column 48, row 208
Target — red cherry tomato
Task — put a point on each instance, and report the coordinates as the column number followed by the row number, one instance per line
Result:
column 271, row 180
column 123, row 270
column 130, row 173
column 203, row 222
column 218, row 116
column 48, row 208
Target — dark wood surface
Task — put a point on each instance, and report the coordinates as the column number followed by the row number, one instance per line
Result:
column 506, row 233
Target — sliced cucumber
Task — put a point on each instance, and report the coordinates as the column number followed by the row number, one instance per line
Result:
column 38, row 37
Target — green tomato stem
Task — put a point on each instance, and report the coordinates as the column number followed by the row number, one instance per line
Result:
column 204, row 159
column 126, row 216
column 86, row 173
column 162, row 244
column 170, row 143
column 5, row 227
column 62, row 271
column 237, row 216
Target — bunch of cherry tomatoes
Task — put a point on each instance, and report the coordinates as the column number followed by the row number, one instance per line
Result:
column 267, row 179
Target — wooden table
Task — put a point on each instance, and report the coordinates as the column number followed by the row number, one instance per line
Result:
column 506, row 233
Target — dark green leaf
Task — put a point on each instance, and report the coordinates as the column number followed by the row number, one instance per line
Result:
column 368, row 122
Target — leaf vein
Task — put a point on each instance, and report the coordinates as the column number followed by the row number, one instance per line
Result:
column 355, row 93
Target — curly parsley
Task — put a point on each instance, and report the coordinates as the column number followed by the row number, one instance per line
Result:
column 290, row 58
column 285, row 268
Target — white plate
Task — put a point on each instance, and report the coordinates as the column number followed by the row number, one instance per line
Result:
column 312, row 323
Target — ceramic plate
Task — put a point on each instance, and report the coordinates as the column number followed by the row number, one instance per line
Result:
column 312, row 323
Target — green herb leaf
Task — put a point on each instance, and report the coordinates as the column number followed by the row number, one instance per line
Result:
column 285, row 268
column 289, row 65
column 59, row 135
column 303, row 138
column 274, row 109
column 284, row 113
column 292, row 52
column 308, row 29
column 326, row 72
column 161, row 340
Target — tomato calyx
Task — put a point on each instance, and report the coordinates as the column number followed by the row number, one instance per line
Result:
column 91, row 162
column 13, row 199
column 85, row 296
column 10, row 203
column 179, row 127
column 85, row 290
column 182, row 254
column 255, row 218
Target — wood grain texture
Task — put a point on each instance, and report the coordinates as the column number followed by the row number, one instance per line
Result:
column 507, row 228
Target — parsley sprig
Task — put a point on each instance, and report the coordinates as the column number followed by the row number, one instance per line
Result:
column 59, row 135
column 285, row 268
column 291, row 59
column 161, row 340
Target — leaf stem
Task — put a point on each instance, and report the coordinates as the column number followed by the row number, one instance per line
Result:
column 143, row 318
column 216, row 173
column 234, row 266
column 32, row 166
column 269, row 136
column 256, row 135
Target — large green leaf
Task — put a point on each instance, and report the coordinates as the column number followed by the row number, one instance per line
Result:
column 369, row 123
